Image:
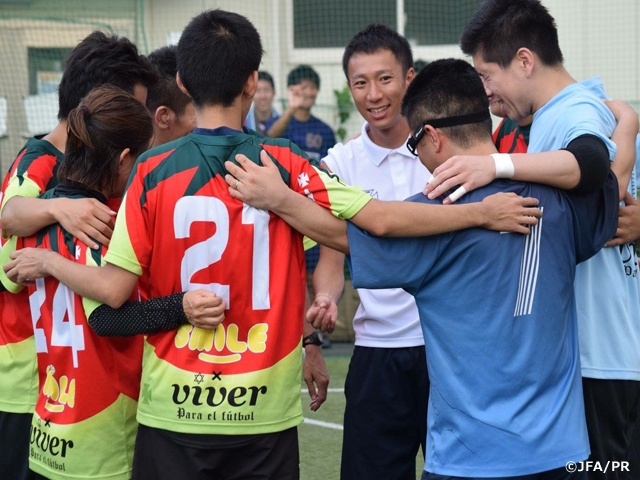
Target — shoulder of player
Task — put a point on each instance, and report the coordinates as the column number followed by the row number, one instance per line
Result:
column 281, row 147
column 577, row 99
column 153, row 157
column 56, row 238
column 37, row 150
column 166, row 148
column 277, row 142
column 546, row 194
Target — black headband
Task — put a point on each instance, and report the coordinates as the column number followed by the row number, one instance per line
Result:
column 476, row 117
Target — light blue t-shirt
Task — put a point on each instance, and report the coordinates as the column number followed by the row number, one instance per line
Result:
column 607, row 286
column 499, row 321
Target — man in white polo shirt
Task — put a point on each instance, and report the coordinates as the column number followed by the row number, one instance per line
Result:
column 387, row 377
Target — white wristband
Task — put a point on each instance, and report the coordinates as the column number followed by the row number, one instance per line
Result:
column 455, row 196
column 504, row 165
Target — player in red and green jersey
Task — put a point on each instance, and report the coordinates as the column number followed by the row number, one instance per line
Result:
column 228, row 401
column 18, row 378
column 98, row 59
column 84, row 422
column 509, row 136
column 249, row 368
column 18, row 384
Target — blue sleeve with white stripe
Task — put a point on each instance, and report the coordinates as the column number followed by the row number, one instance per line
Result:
column 381, row 262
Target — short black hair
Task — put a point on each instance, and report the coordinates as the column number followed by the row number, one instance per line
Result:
column 217, row 53
column 102, row 59
column 500, row 27
column 262, row 75
column 303, row 72
column 447, row 88
column 166, row 91
column 377, row 37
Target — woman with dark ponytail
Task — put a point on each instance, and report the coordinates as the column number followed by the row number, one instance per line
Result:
column 90, row 355
column 84, row 422
column 105, row 135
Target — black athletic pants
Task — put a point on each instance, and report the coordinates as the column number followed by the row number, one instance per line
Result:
column 385, row 419
column 611, row 407
column 271, row 456
column 15, row 431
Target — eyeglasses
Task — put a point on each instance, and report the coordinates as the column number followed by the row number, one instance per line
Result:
column 414, row 139
column 416, row 136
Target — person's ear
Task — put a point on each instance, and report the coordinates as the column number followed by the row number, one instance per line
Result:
column 526, row 61
column 411, row 74
column 435, row 137
column 251, row 85
column 181, row 86
column 123, row 155
column 163, row 117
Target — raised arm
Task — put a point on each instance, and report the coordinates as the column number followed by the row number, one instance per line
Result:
column 500, row 212
column 263, row 188
column 624, row 136
column 87, row 219
column 582, row 166
column 279, row 126
column 558, row 169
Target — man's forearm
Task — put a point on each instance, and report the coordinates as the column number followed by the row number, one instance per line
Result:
column 412, row 219
column 582, row 167
column 624, row 136
column 136, row 318
column 24, row 216
column 501, row 212
column 328, row 277
column 398, row 219
column 623, row 165
column 625, row 160
column 110, row 284
column 557, row 169
column 312, row 220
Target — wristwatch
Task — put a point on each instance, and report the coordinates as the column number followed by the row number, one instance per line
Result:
column 314, row 339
